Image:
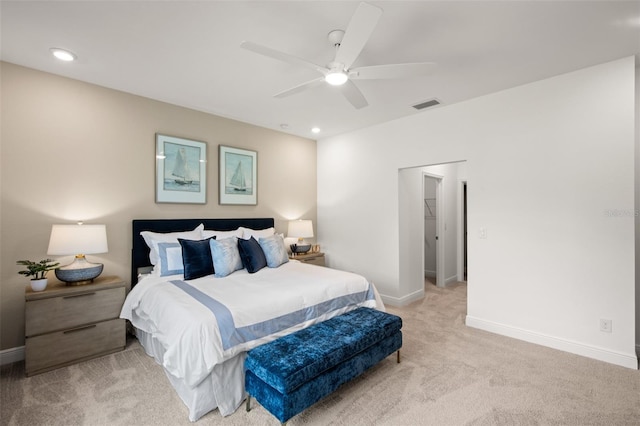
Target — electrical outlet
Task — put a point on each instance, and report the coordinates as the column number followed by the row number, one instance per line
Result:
column 605, row 325
column 482, row 233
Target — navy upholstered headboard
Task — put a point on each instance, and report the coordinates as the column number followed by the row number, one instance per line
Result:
column 140, row 251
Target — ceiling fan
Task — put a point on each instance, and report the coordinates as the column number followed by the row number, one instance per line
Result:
column 348, row 45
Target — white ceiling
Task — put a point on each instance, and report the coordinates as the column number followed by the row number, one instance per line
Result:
column 188, row 52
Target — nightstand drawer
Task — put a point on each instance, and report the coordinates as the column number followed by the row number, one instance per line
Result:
column 66, row 347
column 60, row 313
column 310, row 258
column 319, row 261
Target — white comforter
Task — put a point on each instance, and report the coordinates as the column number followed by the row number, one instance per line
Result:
column 264, row 302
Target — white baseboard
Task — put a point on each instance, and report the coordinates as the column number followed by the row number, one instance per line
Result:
column 429, row 274
column 9, row 356
column 601, row 354
column 402, row 301
column 451, row 280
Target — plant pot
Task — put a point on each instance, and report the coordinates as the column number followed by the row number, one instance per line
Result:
column 39, row 285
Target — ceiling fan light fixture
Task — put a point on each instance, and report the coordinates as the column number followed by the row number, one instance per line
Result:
column 336, row 78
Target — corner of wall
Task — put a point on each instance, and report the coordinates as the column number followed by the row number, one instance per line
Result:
column 637, row 202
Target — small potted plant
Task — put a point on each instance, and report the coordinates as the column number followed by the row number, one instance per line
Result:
column 37, row 270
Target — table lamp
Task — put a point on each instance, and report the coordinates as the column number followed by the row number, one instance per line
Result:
column 78, row 240
column 300, row 229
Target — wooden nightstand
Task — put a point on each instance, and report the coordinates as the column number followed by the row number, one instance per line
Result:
column 67, row 324
column 312, row 258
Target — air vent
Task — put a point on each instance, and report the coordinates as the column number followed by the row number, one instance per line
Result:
column 427, row 104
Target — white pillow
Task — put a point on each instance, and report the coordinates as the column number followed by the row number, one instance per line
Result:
column 220, row 235
column 247, row 233
column 153, row 238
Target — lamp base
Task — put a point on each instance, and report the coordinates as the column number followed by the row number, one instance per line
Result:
column 300, row 249
column 79, row 272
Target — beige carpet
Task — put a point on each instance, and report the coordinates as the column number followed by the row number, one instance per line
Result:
column 449, row 375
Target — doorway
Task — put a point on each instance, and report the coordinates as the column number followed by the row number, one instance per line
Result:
column 463, row 233
column 411, row 226
column 434, row 257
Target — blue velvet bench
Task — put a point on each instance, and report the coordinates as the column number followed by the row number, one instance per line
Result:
column 291, row 373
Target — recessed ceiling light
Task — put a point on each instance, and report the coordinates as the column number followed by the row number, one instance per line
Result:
column 63, row 55
column 316, row 130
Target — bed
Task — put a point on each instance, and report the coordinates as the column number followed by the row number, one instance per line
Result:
column 199, row 327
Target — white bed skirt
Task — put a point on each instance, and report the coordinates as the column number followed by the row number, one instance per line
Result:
column 220, row 389
column 190, row 347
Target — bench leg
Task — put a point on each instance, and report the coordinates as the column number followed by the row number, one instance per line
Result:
column 398, row 356
column 248, row 406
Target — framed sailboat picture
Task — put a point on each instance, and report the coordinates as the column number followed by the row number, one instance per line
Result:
column 181, row 170
column 238, row 176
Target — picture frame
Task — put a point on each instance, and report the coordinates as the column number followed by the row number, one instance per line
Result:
column 238, row 180
column 181, row 170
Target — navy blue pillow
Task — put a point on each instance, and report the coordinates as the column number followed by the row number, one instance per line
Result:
column 196, row 257
column 252, row 256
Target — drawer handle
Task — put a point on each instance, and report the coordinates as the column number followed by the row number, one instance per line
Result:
column 79, row 295
column 86, row 327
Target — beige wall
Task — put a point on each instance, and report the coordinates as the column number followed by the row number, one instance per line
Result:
column 74, row 151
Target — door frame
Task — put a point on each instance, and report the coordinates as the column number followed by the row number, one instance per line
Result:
column 462, row 229
column 440, row 228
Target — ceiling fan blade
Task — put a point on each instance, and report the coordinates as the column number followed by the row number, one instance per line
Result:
column 299, row 88
column 362, row 24
column 275, row 54
column 376, row 72
column 353, row 95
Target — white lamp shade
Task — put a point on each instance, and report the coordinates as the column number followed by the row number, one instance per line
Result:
column 78, row 239
column 300, row 229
